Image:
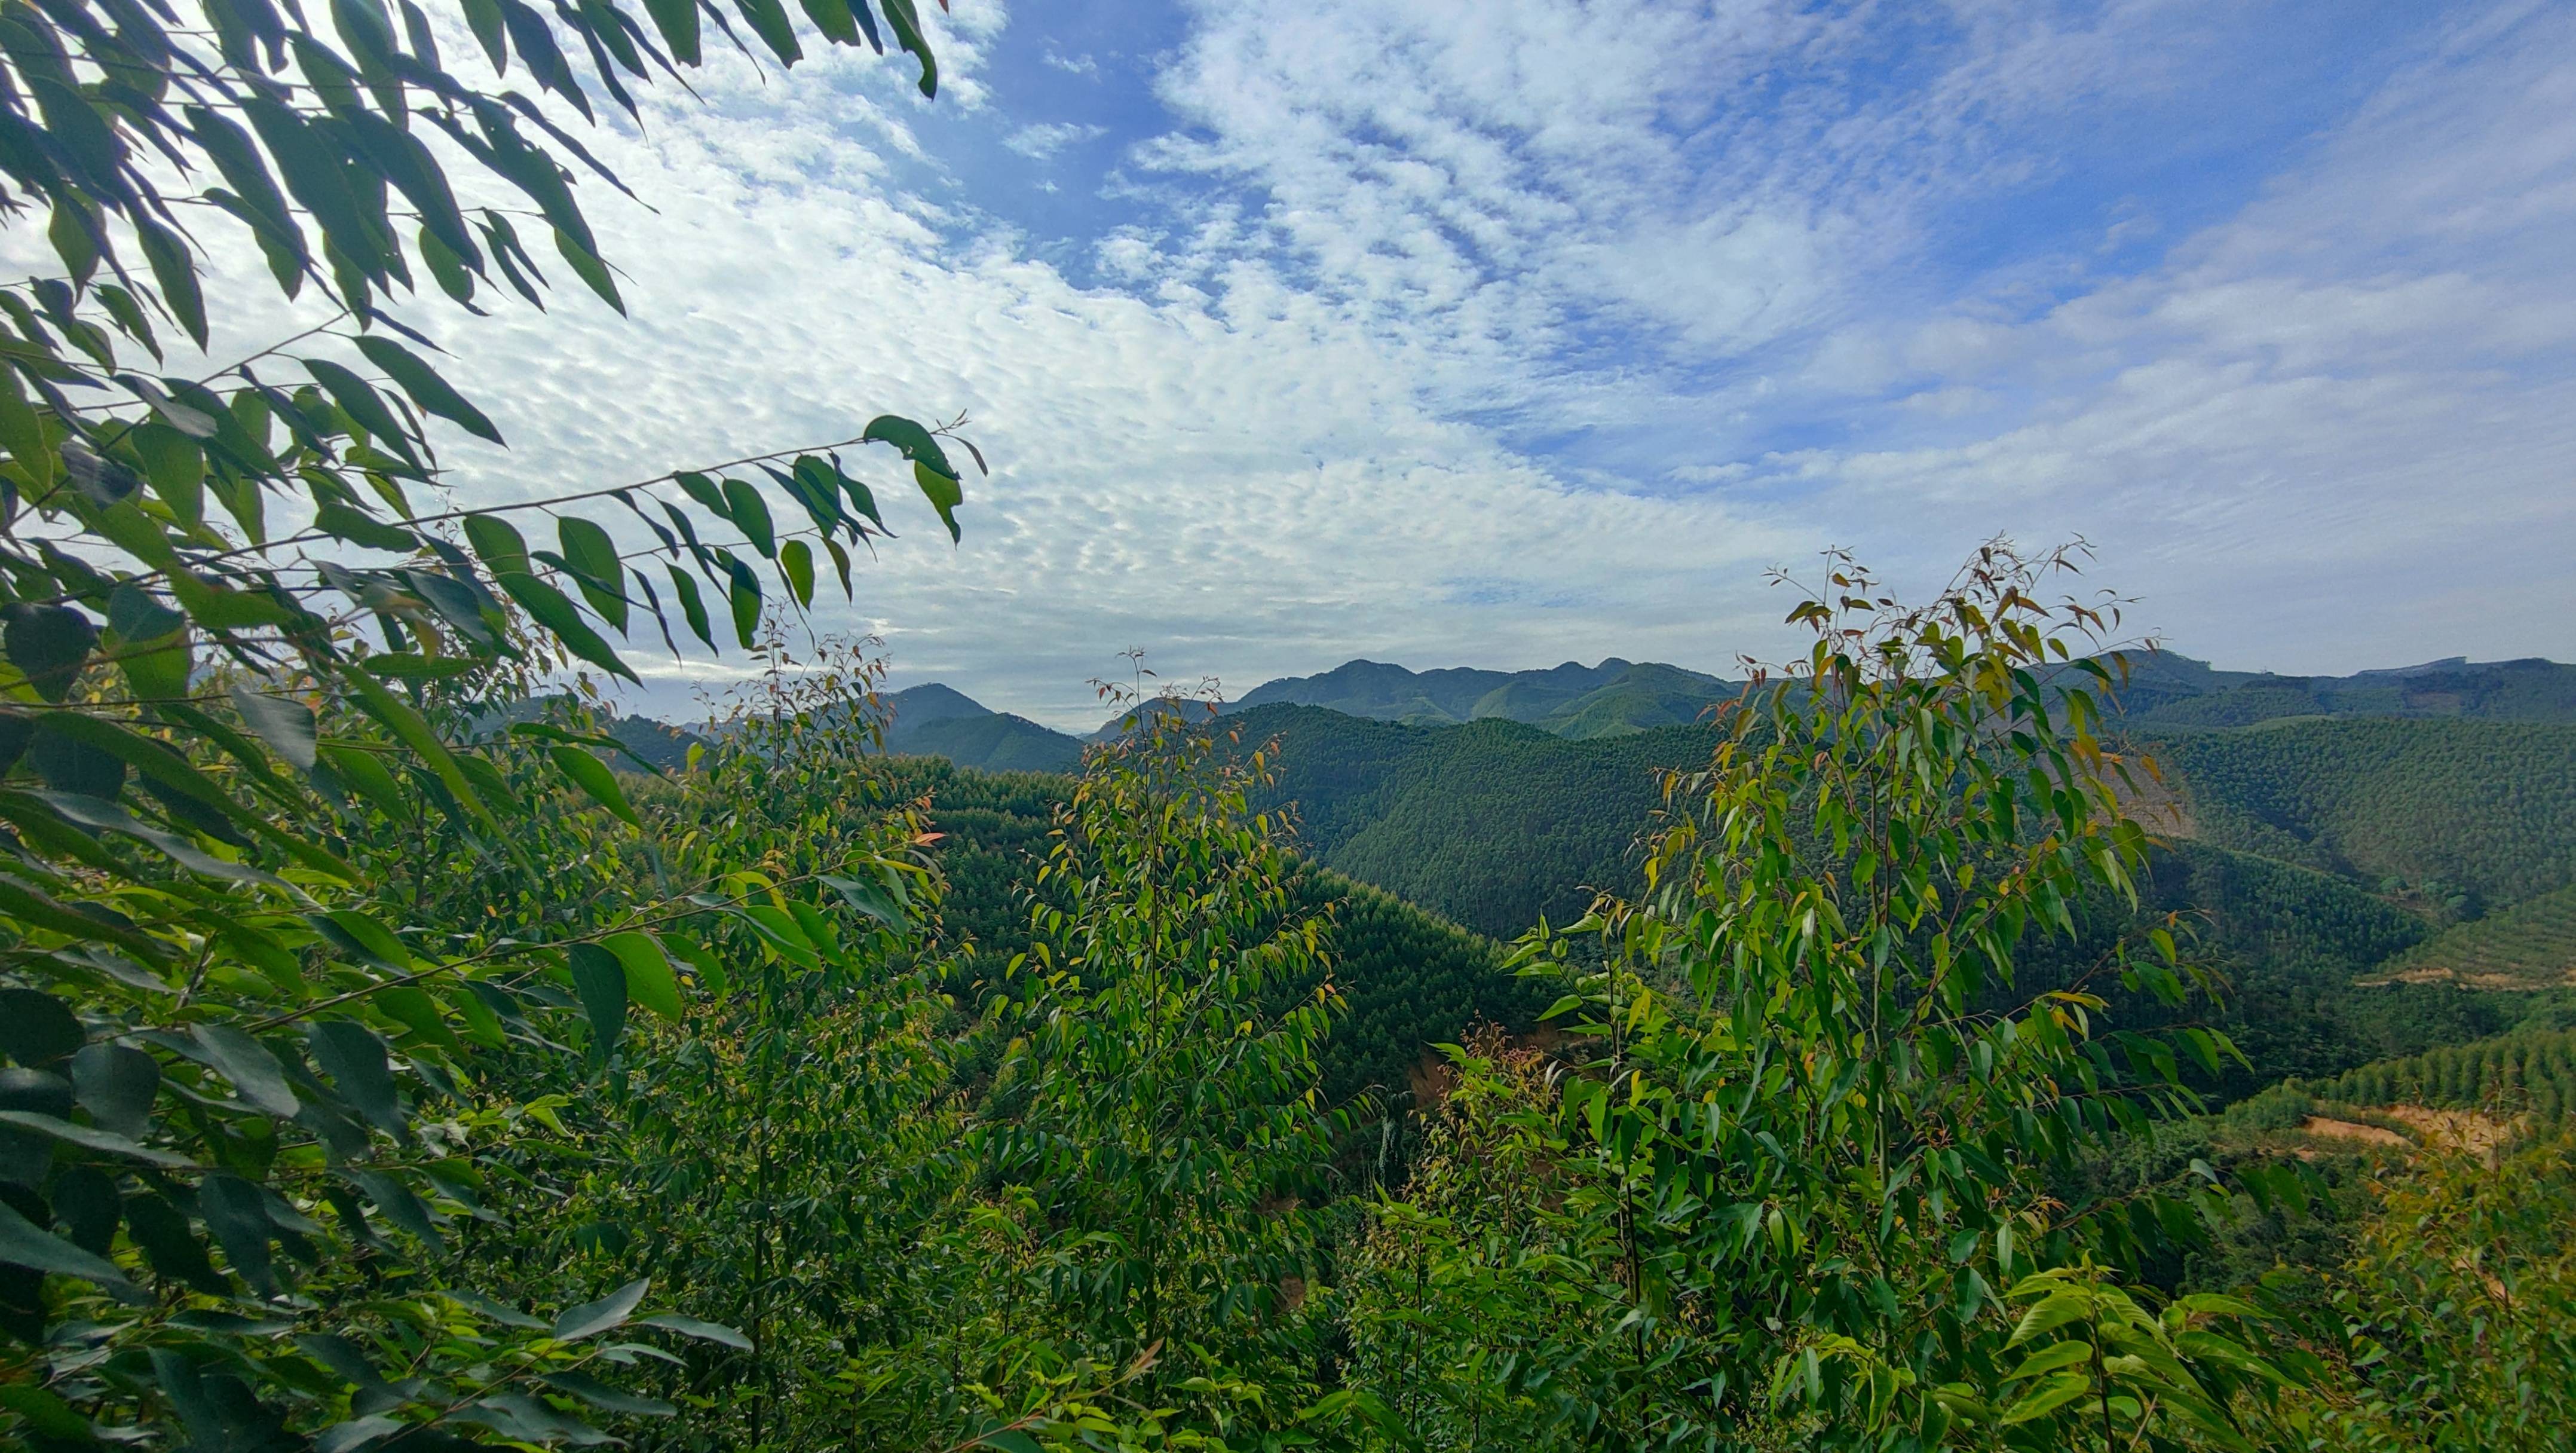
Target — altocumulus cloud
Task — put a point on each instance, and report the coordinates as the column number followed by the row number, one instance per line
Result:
column 1523, row 330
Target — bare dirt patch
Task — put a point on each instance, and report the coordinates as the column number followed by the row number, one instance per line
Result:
column 2329, row 1128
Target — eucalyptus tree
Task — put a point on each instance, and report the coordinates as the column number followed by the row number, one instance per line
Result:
column 256, row 1085
column 1802, row 1186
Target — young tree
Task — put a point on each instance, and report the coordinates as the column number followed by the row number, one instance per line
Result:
column 1808, row 1157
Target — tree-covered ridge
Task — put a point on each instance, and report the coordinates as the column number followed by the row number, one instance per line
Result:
column 2175, row 691
column 2469, row 815
column 2533, row 1072
column 1572, row 699
column 2531, row 945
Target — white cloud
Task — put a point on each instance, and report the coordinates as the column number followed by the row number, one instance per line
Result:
column 1511, row 332
column 1041, row 142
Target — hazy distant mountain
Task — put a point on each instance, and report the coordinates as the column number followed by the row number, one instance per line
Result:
column 939, row 721
column 2167, row 689
column 1573, row 700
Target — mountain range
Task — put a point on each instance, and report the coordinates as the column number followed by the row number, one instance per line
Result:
column 1621, row 698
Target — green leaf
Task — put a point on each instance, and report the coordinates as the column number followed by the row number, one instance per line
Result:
column 841, row 563
column 944, row 493
column 2051, row 1358
column 116, row 1084
column 691, row 604
column 246, row 1062
column 359, row 399
column 562, row 620
column 589, row 268
column 600, row 979
column 608, row 1313
column 22, row 1243
column 412, row 1007
column 769, row 21
column 349, row 523
column 415, row 733
column 356, row 1061
column 678, row 22
column 600, row 1395
column 868, row 898
column 750, row 514
column 915, row 442
column 796, row 562
column 593, row 777
column 49, row 644
column 595, row 567
column 746, row 603
column 175, row 273
column 107, row 1142
column 426, row 388
column 498, row 544
column 2047, row 1397
column 832, row 17
column 693, row 1327
column 285, row 724
column 649, row 980
column 907, row 33
column 22, row 432
column 49, row 1417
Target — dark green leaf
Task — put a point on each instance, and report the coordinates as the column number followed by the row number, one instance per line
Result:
column 361, row 402
column 559, row 617
column 692, row 1327
column 248, row 1064
column 285, row 724
column 49, row 643
column 356, row 1061
column 36, row 1028
column 600, row 979
column 691, row 605
column 23, row 1243
column 426, row 388
column 609, row 1312
column 907, row 33
column 600, row 1395
column 750, row 514
column 593, row 777
column 116, row 1084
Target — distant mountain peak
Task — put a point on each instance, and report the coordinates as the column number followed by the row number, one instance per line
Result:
column 916, row 706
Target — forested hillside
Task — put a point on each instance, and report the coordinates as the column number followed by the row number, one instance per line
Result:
column 2169, row 690
column 2468, row 815
column 2531, row 945
column 1493, row 824
column 1411, row 980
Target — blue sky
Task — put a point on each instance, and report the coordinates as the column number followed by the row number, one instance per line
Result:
column 1503, row 332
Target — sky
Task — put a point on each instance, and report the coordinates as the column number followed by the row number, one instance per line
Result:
column 1516, row 331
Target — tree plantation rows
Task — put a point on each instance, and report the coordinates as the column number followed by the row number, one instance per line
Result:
column 402, row 1054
